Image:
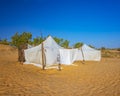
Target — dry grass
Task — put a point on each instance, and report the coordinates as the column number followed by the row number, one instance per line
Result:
column 111, row 53
column 89, row 79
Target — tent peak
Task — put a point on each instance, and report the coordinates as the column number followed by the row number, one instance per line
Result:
column 49, row 36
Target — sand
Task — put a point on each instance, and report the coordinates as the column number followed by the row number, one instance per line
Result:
column 89, row 79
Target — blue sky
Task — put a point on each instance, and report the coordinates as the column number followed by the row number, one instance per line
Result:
column 94, row 22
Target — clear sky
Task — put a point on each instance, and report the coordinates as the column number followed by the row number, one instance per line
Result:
column 94, row 22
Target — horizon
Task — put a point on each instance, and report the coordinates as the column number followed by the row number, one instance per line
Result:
column 92, row 22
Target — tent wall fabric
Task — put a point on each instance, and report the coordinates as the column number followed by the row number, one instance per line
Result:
column 33, row 55
column 79, row 56
column 68, row 56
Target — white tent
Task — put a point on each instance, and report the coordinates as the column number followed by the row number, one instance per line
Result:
column 51, row 49
column 53, row 52
column 89, row 54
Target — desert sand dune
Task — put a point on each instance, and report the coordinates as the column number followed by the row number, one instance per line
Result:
column 89, row 79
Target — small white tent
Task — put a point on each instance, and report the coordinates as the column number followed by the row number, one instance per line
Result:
column 51, row 50
column 88, row 54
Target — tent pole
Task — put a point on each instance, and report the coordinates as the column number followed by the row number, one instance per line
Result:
column 59, row 64
column 43, row 63
column 43, row 54
column 83, row 55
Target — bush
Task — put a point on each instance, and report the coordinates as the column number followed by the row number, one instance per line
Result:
column 103, row 48
column 4, row 41
column 118, row 49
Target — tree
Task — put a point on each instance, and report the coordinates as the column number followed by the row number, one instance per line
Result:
column 58, row 40
column 38, row 40
column 62, row 42
column 65, row 44
column 78, row 45
column 19, row 39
